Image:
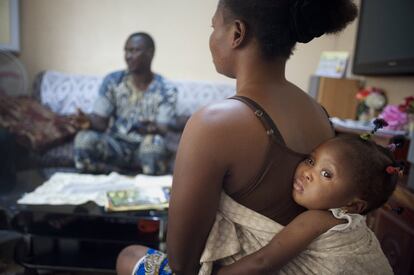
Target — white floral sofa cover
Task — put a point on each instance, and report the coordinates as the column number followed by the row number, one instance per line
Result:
column 63, row 93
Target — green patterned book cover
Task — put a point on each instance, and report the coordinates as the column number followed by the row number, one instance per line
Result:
column 144, row 198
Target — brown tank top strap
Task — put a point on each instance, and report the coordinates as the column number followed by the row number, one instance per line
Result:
column 267, row 122
column 328, row 116
column 274, row 136
column 269, row 192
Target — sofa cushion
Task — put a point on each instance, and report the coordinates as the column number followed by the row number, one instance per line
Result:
column 192, row 95
column 34, row 125
column 63, row 93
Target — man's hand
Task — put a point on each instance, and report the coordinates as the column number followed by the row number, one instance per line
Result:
column 149, row 128
column 80, row 120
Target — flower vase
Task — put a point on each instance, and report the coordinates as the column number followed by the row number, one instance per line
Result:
column 372, row 113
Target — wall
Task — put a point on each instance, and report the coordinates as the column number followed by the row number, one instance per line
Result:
column 87, row 37
column 4, row 22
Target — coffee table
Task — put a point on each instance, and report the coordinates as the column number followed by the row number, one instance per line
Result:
column 83, row 237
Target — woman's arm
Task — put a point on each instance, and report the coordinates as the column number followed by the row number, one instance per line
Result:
column 202, row 162
column 286, row 245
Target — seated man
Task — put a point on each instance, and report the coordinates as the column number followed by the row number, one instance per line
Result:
column 134, row 109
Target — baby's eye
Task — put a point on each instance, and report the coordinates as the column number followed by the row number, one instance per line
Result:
column 326, row 174
column 309, row 161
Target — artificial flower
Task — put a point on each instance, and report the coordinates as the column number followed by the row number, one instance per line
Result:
column 375, row 100
column 362, row 94
column 408, row 105
column 395, row 117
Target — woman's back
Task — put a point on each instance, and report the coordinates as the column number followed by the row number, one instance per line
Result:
column 224, row 146
column 262, row 166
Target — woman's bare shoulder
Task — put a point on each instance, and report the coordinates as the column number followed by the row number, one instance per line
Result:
column 220, row 111
column 226, row 115
column 223, row 127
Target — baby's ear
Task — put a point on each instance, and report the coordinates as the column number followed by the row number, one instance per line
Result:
column 356, row 206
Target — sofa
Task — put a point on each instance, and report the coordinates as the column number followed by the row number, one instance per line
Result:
column 64, row 93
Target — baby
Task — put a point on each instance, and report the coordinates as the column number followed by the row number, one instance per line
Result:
column 342, row 180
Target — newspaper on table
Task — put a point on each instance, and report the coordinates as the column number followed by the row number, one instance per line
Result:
column 76, row 189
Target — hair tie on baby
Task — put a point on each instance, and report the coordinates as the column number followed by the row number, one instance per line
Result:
column 391, row 147
column 396, row 142
column 397, row 168
column 378, row 124
column 366, row 136
column 392, row 170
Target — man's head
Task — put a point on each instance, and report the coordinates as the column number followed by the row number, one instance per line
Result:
column 139, row 51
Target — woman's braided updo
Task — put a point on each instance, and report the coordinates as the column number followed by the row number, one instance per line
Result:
column 279, row 24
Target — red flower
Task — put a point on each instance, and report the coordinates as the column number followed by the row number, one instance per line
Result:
column 362, row 94
column 408, row 105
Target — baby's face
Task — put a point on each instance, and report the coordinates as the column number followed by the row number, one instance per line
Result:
column 322, row 180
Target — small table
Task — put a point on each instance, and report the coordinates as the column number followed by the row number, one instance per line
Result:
column 83, row 237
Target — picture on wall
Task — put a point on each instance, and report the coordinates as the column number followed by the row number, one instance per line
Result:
column 9, row 25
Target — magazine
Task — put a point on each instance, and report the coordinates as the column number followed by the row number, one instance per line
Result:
column 139, row 198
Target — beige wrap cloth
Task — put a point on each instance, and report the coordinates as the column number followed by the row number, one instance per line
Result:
column 349, row 248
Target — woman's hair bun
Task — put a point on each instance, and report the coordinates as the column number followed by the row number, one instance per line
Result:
column 313, row 18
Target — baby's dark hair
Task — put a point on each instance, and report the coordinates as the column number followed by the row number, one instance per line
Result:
column 279, row 24
column 369, row 163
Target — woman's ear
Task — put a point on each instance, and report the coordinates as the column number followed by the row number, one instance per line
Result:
column 356, row 206
column 239, row 33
